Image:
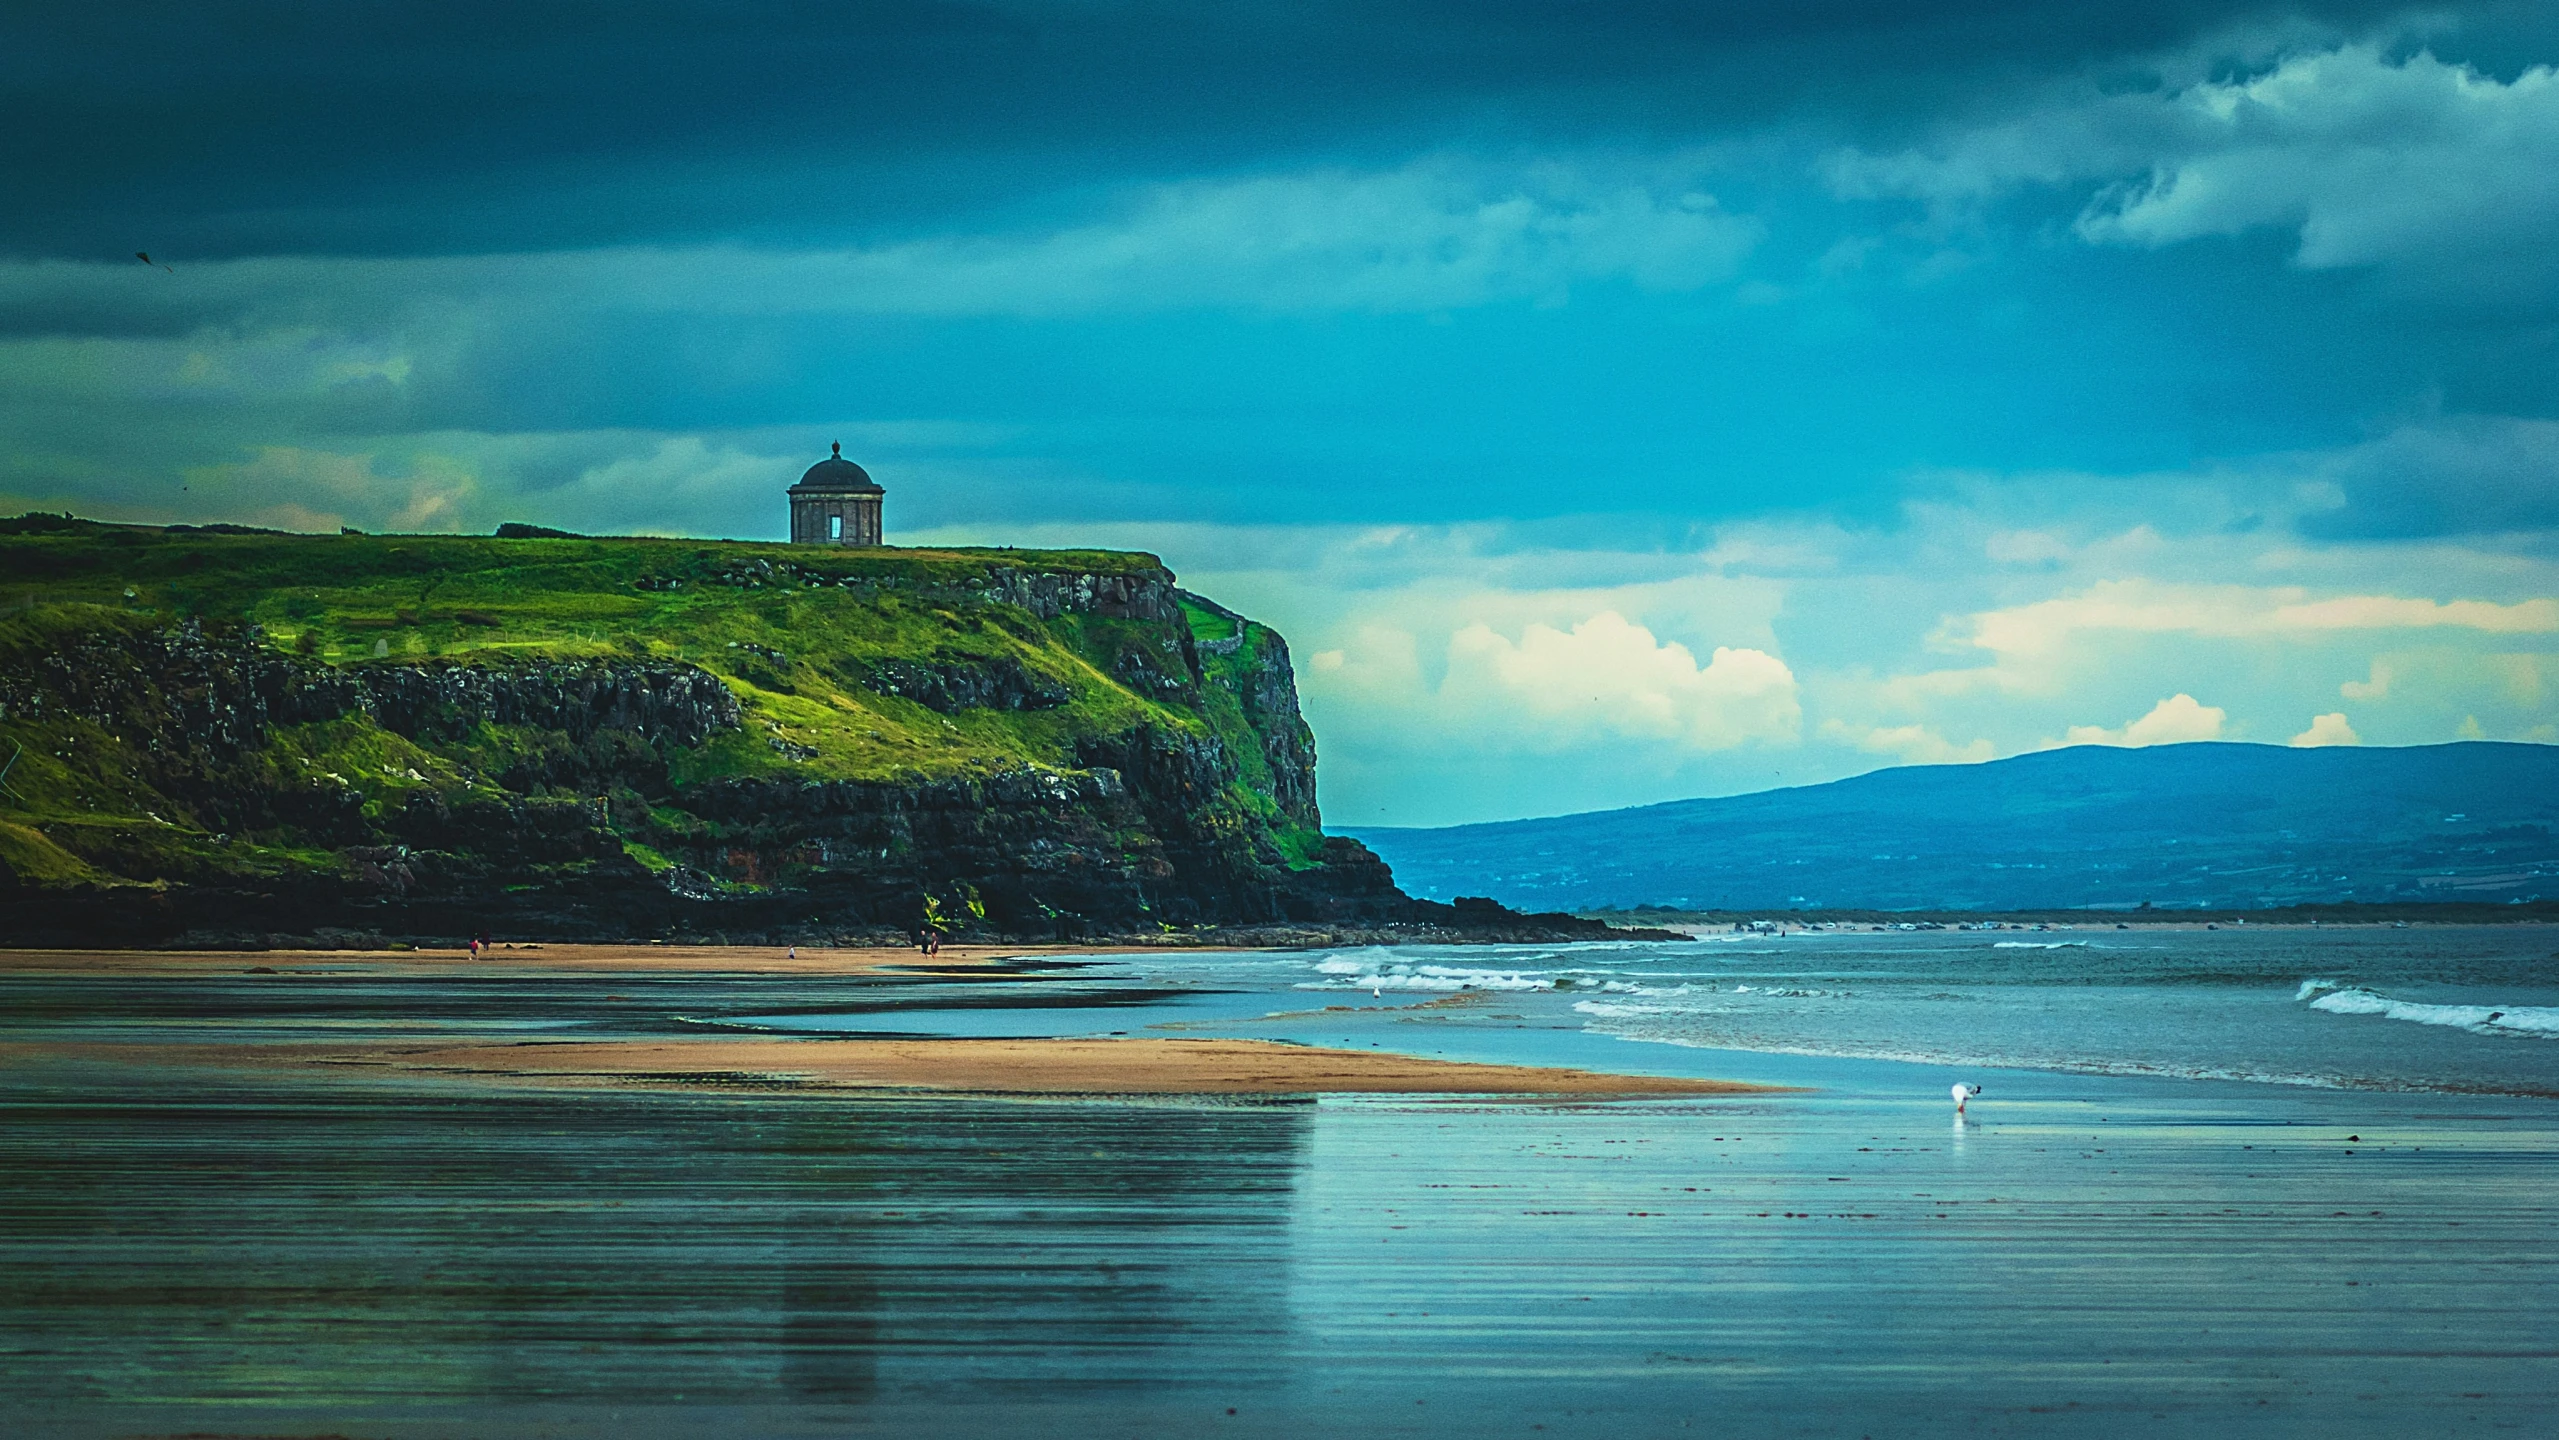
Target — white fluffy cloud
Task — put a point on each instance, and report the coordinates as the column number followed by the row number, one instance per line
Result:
column 2044, row 628
column 1425, row 722
column 1909, row 744
column 1557, row 688
column 1607, row 676
column 2174, row 721
column 2370, row 157
column 2328, row 729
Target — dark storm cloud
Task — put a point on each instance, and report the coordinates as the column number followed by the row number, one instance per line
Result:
column 2469, row 476
column 213, row 129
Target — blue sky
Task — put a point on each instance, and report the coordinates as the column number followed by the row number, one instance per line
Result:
column 1612, row 403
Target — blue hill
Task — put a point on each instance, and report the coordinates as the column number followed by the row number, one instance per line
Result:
column 2177, row 825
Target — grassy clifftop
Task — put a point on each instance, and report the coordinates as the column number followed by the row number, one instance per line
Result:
column 397, row 721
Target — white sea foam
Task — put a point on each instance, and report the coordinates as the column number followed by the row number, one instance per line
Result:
column 1430, row 979
column 1358, row 962
column 1380, row 968
column 2338, row 999
column 1616, row 1009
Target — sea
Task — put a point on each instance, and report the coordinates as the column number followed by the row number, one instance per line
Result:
column 2236, row 1182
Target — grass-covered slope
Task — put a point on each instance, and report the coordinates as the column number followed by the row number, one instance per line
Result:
column 261, row 731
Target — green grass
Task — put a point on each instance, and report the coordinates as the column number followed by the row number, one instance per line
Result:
column 794, row 653
column 361, row 599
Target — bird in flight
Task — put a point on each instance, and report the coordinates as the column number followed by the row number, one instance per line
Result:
column 145, row 257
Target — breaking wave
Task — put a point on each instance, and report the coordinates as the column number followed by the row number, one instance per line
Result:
column 1379, row 973
column 2342, row 999
column 1616, row 1010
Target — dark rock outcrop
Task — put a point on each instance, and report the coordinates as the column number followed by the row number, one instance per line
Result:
column 179, row 688
column 659, row 704
column 965, row 683
column 1049, row 594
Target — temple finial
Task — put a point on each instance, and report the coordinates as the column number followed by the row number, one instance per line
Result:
column 839, row 449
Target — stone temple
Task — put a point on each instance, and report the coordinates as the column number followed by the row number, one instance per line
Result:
column 836, row 503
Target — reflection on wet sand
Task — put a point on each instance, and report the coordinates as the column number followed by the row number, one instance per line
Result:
column 282, row 1248
column 831, row 1303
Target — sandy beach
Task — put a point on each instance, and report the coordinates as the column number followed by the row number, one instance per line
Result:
column 986, row 1067
column 1045, row 1066
column 531, row 960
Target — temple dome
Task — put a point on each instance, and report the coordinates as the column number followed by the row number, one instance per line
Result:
column 837, row 475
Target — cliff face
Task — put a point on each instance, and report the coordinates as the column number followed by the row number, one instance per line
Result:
column 251, row 737
column 1251, row 664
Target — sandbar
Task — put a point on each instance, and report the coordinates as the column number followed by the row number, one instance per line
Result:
column 1080, row 1066
column 534, row 959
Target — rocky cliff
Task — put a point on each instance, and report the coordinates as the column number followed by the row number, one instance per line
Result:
column 224, row 736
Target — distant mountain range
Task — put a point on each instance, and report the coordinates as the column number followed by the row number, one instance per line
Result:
column 2176, row 825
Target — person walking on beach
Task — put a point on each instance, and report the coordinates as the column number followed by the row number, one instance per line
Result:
column 1963, row 1093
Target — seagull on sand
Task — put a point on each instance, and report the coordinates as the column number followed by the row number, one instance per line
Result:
column 1963, row 1093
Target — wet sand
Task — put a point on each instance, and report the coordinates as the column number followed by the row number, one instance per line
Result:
column 1041, row 1066
column 511, row 960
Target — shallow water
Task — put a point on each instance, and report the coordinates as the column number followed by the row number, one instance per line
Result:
column 2469, row 1009
column 242, row 1252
